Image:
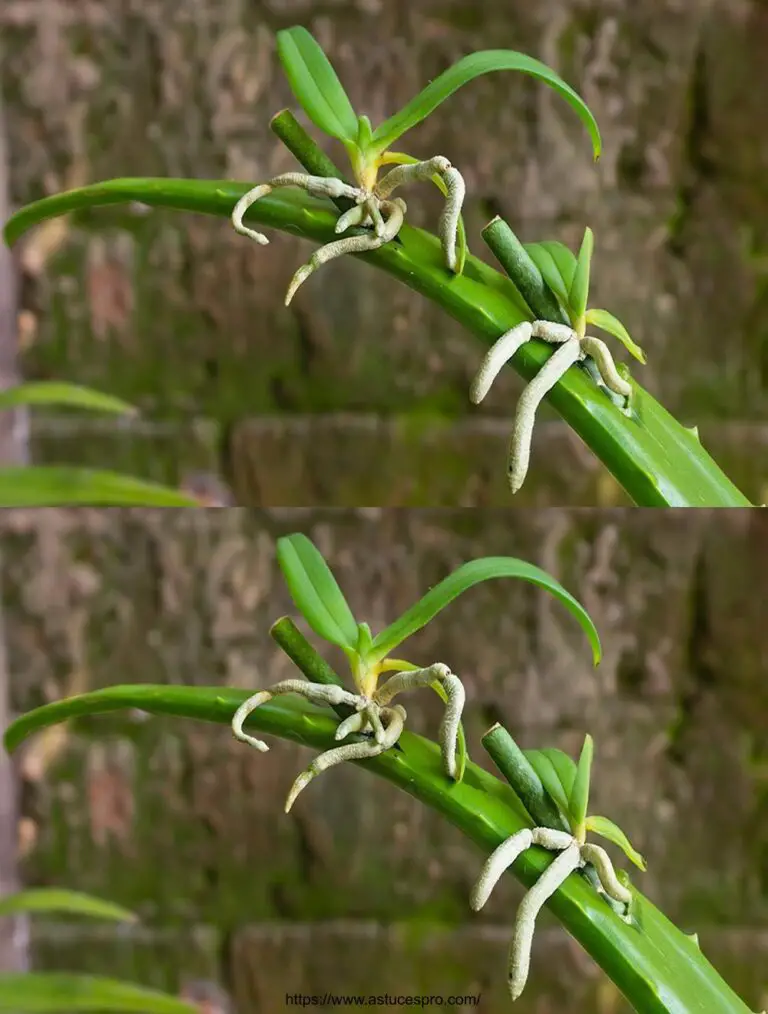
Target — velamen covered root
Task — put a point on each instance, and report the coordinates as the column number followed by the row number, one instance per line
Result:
column 372, row 208
column 373, row 713
column 572, row 348
column 574, row 853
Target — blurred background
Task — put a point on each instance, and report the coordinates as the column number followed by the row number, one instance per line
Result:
column 358, row 394
column 360, row 888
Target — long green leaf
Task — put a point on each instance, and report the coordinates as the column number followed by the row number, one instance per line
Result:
column 659, row 969
column 315, row 84
column 550, row 271
column 607, row 829
column 578, row 800
column 314, row 590
column 58, row 485
column 611, row 324
column 54, row 899
column 55, row 392
column 54, row 992
column 565, row 260
column 657, row 461
column 550, row 779
column 465, row 577
column 467, row 69
column 565, row 767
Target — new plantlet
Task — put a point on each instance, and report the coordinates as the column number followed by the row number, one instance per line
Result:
column 378, row 217
column 567, row 278
column 567, row 785
column 370, row 712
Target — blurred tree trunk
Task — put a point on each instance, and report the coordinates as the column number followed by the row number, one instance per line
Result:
column 13, row 932
column 13, row 450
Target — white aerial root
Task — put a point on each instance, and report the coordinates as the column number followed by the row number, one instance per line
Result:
column 372, row 712
column 573, row 854
column 572, row 349
column 372, row 207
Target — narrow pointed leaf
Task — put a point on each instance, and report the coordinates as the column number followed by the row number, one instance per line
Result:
column 467, row 69
column 656, row 462
column 550, row 272
column 579, row 293
column 550, row 779
column 54, row 899
column 465, row 577
column 315, row 84
column 579, row 796
column 54, row 992
column 564, row 258
column 54, row 392
column 658, row 969
column 607, row 829
column 364, row 132
column 605, row 320
column 364, row 639
column 58, row 485
column 565, row 767
column 314, row 590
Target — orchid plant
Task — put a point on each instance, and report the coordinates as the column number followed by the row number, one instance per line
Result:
column 321, row 602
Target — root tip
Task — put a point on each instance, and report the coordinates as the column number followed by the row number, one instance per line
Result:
column 298, row 279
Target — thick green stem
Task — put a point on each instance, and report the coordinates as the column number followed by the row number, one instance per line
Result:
column 285, row 126
column 657, row 967
column 517, row 769
column 298, row 649
column 514, row 258
column 657, row 460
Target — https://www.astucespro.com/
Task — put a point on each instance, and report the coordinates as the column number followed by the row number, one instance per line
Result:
column 379, row 1000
